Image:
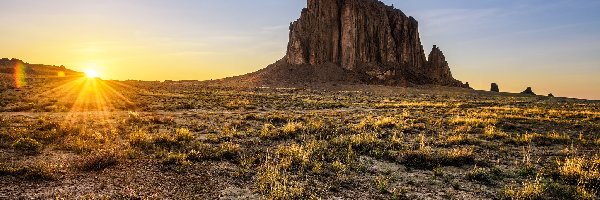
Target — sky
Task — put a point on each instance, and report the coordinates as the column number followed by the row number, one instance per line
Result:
column 552, row 46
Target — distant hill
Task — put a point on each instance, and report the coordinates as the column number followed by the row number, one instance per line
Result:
column 9, row 66
column 15, row 73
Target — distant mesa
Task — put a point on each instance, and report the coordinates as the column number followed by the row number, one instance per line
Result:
column 354, row 41
column 528, row 91
column 495, row 88
column 18, row 72
column 13, row 66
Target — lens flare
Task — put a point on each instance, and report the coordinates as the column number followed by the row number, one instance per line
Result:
column 20, row 75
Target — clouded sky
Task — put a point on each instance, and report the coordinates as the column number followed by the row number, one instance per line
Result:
column 550, row 45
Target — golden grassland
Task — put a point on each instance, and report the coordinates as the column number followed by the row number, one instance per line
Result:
column 88, row 138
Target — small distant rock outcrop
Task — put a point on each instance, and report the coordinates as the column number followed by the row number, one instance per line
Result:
column 550, row 95
column 354, row 41
column 528, row 91
column 495, row 88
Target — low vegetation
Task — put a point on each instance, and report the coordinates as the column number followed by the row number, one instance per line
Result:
column 187, row 140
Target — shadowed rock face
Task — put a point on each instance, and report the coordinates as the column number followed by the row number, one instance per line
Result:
column 495, row 88
column 528, row 91
column 366, row 37
column 368, row 41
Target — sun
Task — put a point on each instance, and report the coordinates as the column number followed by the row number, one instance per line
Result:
column 90, row 73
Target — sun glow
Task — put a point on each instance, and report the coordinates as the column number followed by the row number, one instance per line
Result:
column 90, row 73
column 91, row 99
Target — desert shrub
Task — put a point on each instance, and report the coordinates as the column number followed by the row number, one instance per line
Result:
column 491, row 132
column 529, row 190
column 473, row 121
column 99, row 161
column 268, row 130
column 425, row 159
column 292, row 129
column 184, row 135
column 483, row 175
column 47, row 126
column 247, row 162
column 339, row 167
column 581, row 171
column 165, row 140
column 140, row 139
column 28, row 145
column 381, row 183
column 385, row 123
column 524, row 139
column 82, row 144
column 228, row 150
column 458, row 157
column 229, row 133
column 289, row 130
column 134, row 118
column 274, row 183
column 555, row 138
column 224, row 151
column 370, row 123
column 364, row 143
column 561, row 191
column 36, row 172
column 278, row 119
column 294, row 155
column 548, row 139
column 459, row 139
column 176, row 159
column 162, row 120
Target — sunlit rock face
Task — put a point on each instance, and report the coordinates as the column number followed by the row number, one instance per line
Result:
column 368, row 38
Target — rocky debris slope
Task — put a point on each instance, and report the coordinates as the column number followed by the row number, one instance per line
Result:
column 363, row 41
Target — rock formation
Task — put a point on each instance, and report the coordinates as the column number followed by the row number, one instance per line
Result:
column 528, row 91
column 362, row 41
column 495, row 88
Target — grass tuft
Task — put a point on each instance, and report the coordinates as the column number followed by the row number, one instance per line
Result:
column 28, row 145
column 99, row 161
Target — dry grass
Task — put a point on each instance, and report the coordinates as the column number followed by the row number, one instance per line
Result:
column 352, row 142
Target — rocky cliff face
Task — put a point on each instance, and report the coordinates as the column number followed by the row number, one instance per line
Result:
column 357, row 41
column 366, row 37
